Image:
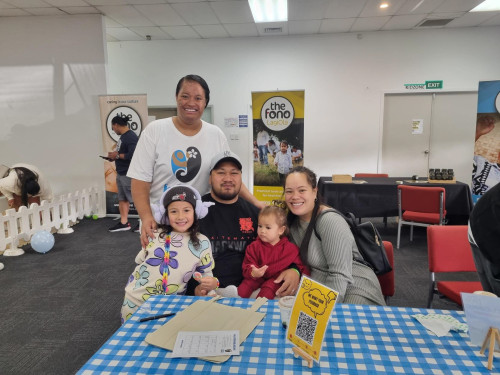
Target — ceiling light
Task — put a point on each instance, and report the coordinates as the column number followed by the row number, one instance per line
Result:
column 269, row 10
column 487, row 6
column 384, row 5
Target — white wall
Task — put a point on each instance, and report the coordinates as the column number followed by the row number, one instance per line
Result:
column 52, row 70
column 344, row 77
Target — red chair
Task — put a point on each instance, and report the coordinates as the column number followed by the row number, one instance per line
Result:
column 421, row 206
column 359, row 175
column 386, row 280
column 449, row 251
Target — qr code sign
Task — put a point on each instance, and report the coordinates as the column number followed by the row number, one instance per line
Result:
column 306, row 327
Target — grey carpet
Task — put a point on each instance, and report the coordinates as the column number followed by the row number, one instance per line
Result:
column 58, row 308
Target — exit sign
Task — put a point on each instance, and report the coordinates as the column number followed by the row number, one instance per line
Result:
column 430, row 85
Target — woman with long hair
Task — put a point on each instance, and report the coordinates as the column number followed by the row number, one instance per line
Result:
column 326, row 243
column 22, row 182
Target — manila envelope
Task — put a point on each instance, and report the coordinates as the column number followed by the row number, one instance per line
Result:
column 204, row 316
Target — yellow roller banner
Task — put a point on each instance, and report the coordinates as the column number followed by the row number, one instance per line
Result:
column 278, row 140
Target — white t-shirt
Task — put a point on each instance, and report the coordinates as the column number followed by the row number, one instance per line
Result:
column 166, row 157
column 262, row 138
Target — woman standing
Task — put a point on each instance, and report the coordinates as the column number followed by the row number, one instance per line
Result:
column 21, row 183
column 176, row 150
column 331, row 257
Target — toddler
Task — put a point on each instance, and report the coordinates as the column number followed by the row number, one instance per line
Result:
column 176, row 252
column 266, row 257
column 283, row 161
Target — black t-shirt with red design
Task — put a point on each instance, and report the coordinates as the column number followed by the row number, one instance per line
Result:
column 230, row 228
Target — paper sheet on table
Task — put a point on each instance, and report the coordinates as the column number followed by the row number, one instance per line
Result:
column 205, row 344
column 481, row 312
column 440, row 324
column 208, row 316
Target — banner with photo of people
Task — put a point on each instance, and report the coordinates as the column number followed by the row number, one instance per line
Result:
column 278, row 140
column 486, row 170
column 135, row 109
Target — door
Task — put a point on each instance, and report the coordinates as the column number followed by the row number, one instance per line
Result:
column 453, row 131
column 447, row 139
column 405, row 150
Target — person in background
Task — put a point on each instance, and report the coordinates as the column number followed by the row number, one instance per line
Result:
column 265, row 258
column 272, row 148
column 484, row 237
column 283, row 161
column 262, row 139
column 296, row 154
column 331, row 258
column 255, row 151
column 177, row 150
column 175, row 254
column 24, row 184
column 125, row 148
column 231, row 225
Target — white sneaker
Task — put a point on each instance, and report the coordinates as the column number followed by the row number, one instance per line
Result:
column 1, row 266
column 229, row 291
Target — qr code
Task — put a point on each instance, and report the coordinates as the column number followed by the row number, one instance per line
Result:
column 306, row 327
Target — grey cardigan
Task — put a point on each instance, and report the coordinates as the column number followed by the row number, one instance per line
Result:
column 331, row 260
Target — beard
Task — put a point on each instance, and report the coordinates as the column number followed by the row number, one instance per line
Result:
column 226, row 196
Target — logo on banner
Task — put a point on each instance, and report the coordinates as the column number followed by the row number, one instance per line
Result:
column 133, row 120
column 277, row 113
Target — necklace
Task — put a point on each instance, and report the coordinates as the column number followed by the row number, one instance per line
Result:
column 166, row 261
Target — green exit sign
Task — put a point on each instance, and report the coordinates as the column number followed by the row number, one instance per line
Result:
column 430, row 85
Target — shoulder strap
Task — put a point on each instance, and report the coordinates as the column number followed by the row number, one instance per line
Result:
column 330, row 210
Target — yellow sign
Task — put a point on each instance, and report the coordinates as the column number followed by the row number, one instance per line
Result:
column 278, row 140
column 310, row 315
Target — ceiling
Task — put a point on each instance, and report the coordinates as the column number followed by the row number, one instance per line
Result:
column 137, row 20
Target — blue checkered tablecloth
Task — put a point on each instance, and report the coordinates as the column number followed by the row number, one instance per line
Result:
column 359, row 340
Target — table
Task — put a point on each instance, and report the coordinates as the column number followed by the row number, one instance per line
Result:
column 378, row 197
column 359, row 340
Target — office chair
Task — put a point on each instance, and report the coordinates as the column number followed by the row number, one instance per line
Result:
column 449, row 251
column 386, row 280
column 359, row 175
column 421, row 206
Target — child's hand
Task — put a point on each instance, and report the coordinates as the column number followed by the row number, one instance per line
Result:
column 208, row 283
column 258, row 272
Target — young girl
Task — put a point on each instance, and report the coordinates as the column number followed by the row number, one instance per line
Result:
column 266, row 257
column 175, row 253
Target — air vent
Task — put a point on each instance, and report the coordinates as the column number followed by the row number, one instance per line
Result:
column 273, row 30
column 436, row 22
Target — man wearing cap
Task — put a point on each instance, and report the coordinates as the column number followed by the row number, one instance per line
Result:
column 144, row 197
column 231, row 225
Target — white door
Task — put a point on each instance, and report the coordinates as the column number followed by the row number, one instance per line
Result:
column 452, row 135
column 447, row 140
column 405, row 150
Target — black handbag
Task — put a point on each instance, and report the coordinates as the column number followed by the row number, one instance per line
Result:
column 369, row 243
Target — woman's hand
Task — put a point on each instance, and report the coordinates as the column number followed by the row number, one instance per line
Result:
column 10, row 202
column 290, row 279
column 148, row 226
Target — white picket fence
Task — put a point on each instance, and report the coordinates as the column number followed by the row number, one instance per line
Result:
column 58, row 214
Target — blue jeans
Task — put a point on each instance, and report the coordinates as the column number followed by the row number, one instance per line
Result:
column 263, row 154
